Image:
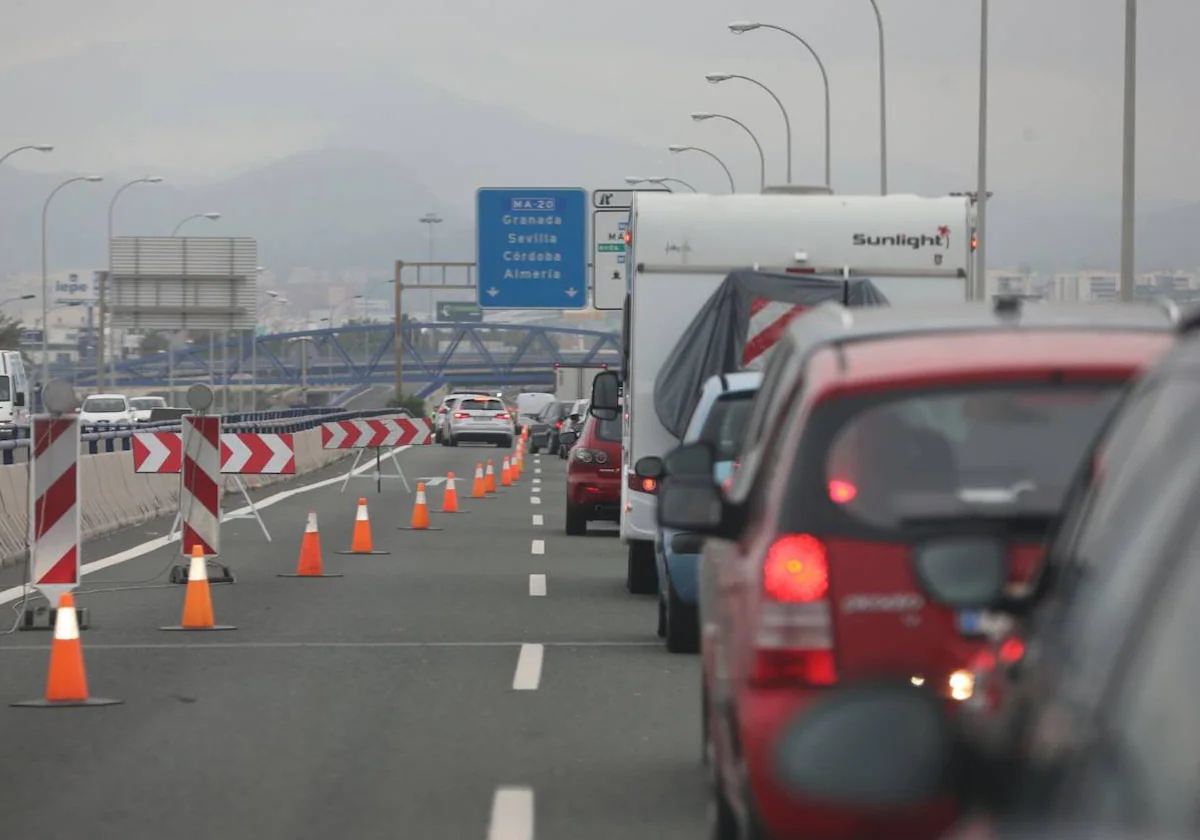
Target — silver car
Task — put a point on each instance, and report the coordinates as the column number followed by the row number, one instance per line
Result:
column 480, row 420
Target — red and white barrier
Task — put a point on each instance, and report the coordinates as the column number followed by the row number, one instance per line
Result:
column 376, row 433
column 200, row 488
column 242, row 453
column 54, row 523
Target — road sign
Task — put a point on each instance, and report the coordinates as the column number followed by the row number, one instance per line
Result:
column 610, row 219
column 531, row 247
column 31, row 336
column 459, row 311
column 200, row 492
column 376, row 432
column 242, row 453
column 54, row 503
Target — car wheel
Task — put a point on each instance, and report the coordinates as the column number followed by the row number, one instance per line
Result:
column 662, row 618
column 533, row 447
column 576, row 521
column 508, row 442
column 450, row 441
column 683, row 624
column 437, row 436
column 641, row 574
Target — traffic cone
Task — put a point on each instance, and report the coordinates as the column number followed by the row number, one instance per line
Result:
column 361, row 542
column 66, row 683
column 420, row 515
column 489, row 479
column 197, row 602
column 478, row 490
column 309, row 564
column 505, row 473
column 450, row 496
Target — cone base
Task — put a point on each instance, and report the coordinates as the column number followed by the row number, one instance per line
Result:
column 363, row 553
column 200, row 629
column 65, row 704
column 411, row 528
column 322, row 575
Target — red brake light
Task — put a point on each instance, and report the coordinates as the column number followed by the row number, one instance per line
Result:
column 1011, row 651
column 461, row 415
column 558, row 424
column 842, row 492
column 503, row 416
column 796, row 571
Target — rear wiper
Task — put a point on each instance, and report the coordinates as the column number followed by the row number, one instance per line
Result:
column 996, row 495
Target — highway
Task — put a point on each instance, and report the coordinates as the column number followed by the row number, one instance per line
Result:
column 403, row 700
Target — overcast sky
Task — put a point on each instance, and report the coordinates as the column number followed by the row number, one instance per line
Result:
column 633, row 69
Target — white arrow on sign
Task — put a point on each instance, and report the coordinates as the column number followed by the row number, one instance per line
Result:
column 157, row 453
column 239, row 453
column 337, row 435
column 280, row 454
column 493, row 291
column 572, row 292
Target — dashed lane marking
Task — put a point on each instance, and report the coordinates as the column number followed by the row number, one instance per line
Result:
column 512, row 814
column 538, row 519
column 538, row 547
column 528, row 675
column 535, row 500
column 537, row 586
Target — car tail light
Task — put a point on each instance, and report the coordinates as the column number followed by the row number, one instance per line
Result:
column 842, row 492
column 590, row 456
column 558, row 424
column 795, row 635
column 461, row 415
column 442, row 410
column 503, row 416
column 642, row 485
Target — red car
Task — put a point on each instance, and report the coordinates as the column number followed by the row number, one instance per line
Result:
column 593, row 474
column 872, row 430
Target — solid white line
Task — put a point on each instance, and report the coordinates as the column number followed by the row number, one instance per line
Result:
column 529, row 668
column 538, row 547
column 512, row 814
column 538, row 519
column 535, row 500
column 12, row 594
column 537, row 586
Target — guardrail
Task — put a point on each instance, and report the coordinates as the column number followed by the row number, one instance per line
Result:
column 103, row 438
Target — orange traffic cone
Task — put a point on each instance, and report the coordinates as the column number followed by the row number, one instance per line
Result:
column 361, row 542
column 420, row 516
column 66, row 684
column 505, row 473
column 489, row 479
column 478, row 490
column 309, row 564
column 197, row 603
column 450, row 496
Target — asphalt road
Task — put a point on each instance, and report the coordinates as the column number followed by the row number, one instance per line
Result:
column 430, row 693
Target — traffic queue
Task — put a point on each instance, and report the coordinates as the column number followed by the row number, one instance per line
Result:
column 902, row 555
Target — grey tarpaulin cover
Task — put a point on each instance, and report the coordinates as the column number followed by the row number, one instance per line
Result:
column 716, row 339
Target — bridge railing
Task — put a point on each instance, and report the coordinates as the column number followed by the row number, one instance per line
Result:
column 104, row 437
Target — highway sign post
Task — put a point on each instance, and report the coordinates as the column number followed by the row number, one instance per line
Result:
column 531, row 247
column 610, row 221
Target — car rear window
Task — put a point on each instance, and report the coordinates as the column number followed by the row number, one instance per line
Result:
column 726, row 423
column 5, row 390
column 101, row 405
column 482, row 405
column 1012, row 448
column 608, row 430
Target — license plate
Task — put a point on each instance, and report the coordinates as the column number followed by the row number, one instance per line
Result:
column 970, row 622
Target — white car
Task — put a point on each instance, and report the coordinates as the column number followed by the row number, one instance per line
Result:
column 143, row 406
column 441, row 416
column 111, row 409
column 481, row 420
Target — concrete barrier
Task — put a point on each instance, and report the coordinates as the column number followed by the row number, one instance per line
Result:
column 114, row 496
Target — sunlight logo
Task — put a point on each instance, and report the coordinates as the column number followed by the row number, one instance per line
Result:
column 905, row 240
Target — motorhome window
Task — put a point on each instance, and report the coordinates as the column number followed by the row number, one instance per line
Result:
column 5, row 388
column 103, row 405
column 725, row 426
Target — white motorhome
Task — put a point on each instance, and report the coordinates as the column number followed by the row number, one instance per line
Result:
column 14, row 394
column 682, row 246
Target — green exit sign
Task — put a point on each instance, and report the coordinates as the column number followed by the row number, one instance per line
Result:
column 611, row 247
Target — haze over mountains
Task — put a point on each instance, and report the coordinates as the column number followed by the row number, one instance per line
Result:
column 357, row 158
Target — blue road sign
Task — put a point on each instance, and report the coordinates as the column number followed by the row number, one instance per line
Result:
column 531, row 247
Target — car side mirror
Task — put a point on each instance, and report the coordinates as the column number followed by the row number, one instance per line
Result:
column 568, row 438
column 694, row 504
column 19, row 400
column 692, row 459
column 606, row 396
column 651, row 466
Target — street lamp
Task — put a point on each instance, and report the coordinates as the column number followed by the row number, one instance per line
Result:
column 701, row 116
column 742, row 27
column 1128, row 158
column 15, row 299
column 431, row 219
column 634, row 180
column 33, row 148
column 93, row 179
column 717, row 78
column 883, row 188
column 100, row 293
column 660, row 180
column 212, row 217
column 677, row 149
column 981, row 193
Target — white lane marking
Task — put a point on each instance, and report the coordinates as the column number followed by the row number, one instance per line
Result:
column 535, row 500
column 433, row 481
column 528, row 675
column 512, row 814
column 12, row 594
column 537, row 481
column 537, row 586
column 538, row 547
column 321, row 645
column 538, row 519
column 537, row 471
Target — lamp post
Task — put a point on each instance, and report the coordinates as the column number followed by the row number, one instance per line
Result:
column 101, row 341
column 1128, row 153
column 366, row 317
column 429, row 220
column 7, row 301
column 717, row 78
column 883, row 187
column 701, row 116
column 677, row 149
column 93, row 179
column 33, row 148
column 212, row 217
column 275, row 299
column 981, row 193
column 741, row 27
column 660, row 180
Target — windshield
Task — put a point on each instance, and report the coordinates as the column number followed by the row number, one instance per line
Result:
column 103, row 405
column 148, row 403
column 5, row 388
column 725, row 424
column 935, row 453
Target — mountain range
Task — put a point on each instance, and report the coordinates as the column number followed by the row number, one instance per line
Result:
column 361, row 156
